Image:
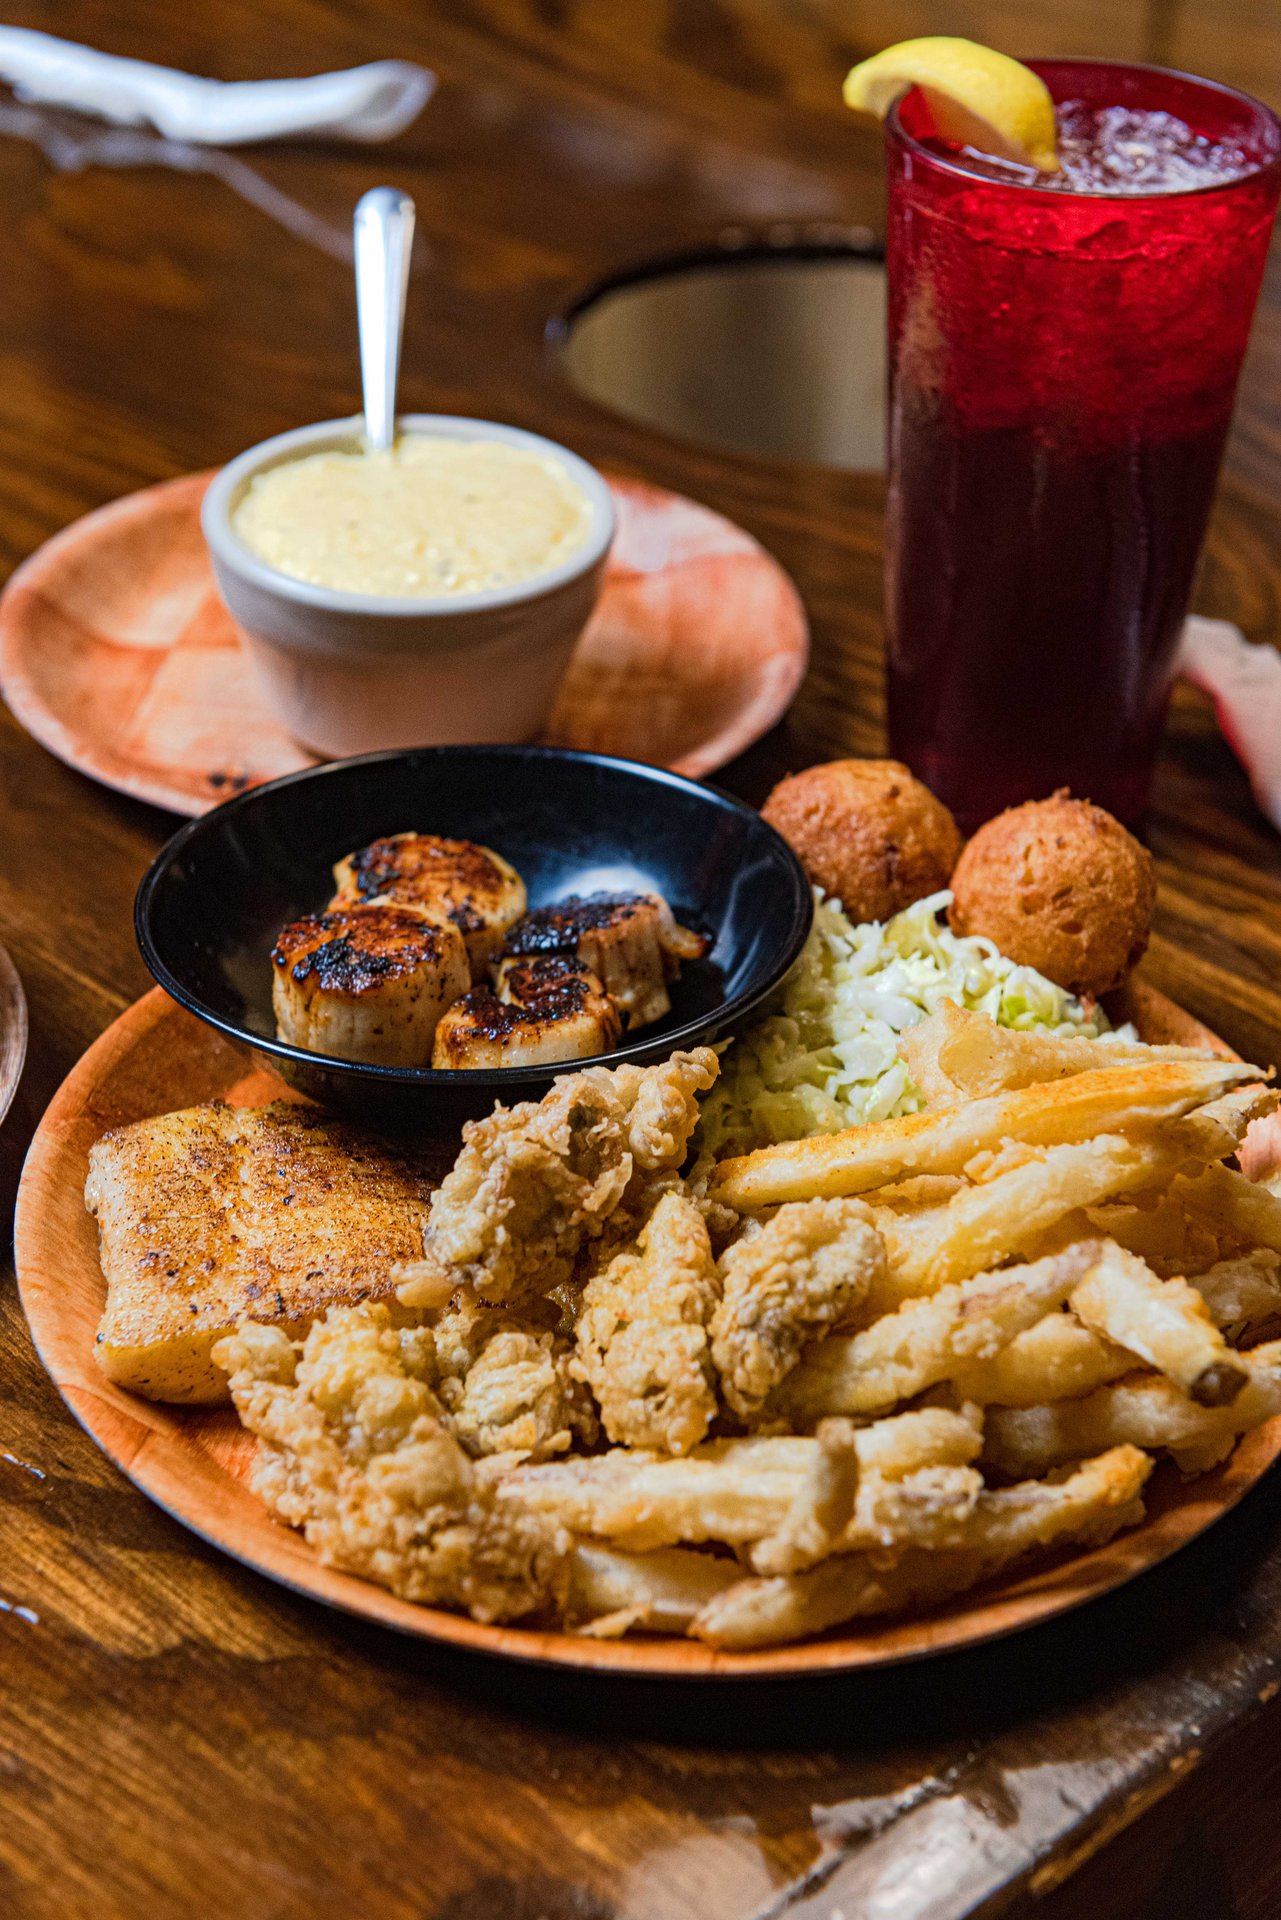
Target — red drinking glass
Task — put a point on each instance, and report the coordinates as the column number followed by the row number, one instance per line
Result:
column 1062, row 372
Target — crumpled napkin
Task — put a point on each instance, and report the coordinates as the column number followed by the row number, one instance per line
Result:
column 1243, row 679
column 363, row 103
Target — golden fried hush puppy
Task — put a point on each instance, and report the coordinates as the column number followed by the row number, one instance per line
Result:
column 867, row 832
column 1059, row 885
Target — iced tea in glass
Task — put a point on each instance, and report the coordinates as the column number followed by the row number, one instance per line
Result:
column 1064, row 352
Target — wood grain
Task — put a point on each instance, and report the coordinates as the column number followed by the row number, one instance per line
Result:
column 180, row 1734
column 194, row 1462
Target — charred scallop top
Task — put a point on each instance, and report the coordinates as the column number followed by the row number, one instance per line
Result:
column 414, row 867
column 489, row 1018
column 559, row 929
column 357, row 949
column 552, row 985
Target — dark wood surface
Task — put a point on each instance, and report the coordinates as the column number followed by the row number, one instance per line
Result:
column 177, row 1736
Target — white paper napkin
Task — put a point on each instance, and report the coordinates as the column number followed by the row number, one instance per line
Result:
column 363, row 103
column 1243, row 678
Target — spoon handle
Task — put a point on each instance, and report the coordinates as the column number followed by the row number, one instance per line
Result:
column 384, row 236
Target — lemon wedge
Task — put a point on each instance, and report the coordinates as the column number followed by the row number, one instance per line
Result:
column 977, row 97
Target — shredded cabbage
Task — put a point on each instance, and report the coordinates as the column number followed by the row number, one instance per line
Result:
column 827, row 1057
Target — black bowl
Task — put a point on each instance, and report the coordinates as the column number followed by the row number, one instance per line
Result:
column 215, row 897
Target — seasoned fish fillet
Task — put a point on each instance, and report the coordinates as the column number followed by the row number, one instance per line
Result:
column 547, row 1009
column 214, row 1212
column 367, row 983
column 630, row 941
column 456, row 880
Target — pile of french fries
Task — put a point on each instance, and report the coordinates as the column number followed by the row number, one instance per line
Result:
column 1077, row 1282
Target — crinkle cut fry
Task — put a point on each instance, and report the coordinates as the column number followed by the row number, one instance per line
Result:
column 1099, row 1499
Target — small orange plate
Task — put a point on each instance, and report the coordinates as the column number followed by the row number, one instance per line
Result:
column 194, row 1462
column 118, row 656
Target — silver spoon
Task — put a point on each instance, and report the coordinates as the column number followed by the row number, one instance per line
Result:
column 383, row 230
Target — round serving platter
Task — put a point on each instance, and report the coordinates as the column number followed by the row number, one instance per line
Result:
column 118, row 656
column 194, row 1462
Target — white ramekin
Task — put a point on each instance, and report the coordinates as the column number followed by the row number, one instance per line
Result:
column 352, row 672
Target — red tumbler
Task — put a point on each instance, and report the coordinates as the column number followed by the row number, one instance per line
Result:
column 1062, row 373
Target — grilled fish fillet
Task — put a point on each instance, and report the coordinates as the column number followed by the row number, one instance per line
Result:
column 630, row 941
column 548, row 1008
column 217, row 1212
column 456, row 880
column 367, row 983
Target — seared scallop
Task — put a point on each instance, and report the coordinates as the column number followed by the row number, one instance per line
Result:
column 548, row 1008
column 456, row 880
column 367, row 983
column 630, row 941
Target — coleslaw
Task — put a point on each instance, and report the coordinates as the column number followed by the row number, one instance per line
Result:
column 827, row 1056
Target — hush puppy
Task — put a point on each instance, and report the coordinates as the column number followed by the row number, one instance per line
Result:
column 1059, row 885
column 867, row 832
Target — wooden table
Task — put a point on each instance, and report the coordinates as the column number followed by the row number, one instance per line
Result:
column 178, row 1736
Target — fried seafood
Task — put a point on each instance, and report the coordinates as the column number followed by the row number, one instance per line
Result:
column 536, row 1182
column 630, row 941
column 868, row 833
column 518, row 1396
column 946, row 1141
column 642, row 1333
column 355, row 1450
column 807, row 1271
column 366, row 983
column 1089, row 1508
column 957, row 1055
column 1046, row 1280
column 1058, row 885
column 459, row 881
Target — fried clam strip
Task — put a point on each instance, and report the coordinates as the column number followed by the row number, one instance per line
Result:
column 805, row 1271
column 957, row 1055
column 1173, row 1241
column 926, row 1340
column 1242, row 1293
column 642, row 1342
column 1231, row 1203
column 821, row 1508
column 1143, row 1410
column 1099, row 1499
column 1165, row 1322
column 1054, row 1360
column 1059, row 1359
column 735, row 1491
column 1012, row 1209
column 355, row 1451
column 859, row 1159
column 535, row 1182
column 612, row 1592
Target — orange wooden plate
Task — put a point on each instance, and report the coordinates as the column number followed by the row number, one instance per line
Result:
column 118, row 656
column 195, row 1463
